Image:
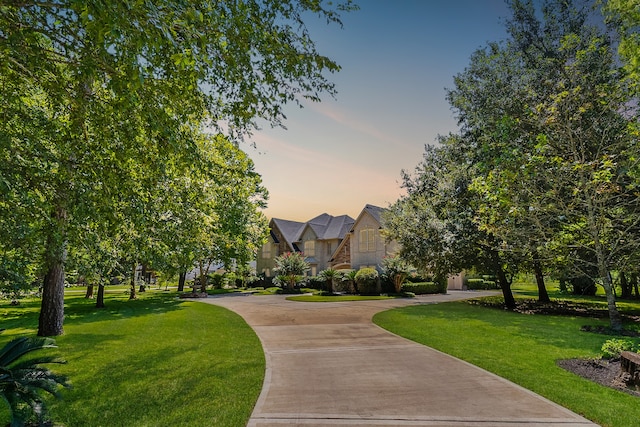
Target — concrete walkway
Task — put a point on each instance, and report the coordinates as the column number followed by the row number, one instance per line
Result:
column 329, row 365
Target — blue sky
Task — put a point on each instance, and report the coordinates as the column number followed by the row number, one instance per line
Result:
column 397, row 58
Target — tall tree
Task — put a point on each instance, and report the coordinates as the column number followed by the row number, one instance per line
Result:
column 547, row 118
column 625, row 17
column 434, row 223
column 115, row 83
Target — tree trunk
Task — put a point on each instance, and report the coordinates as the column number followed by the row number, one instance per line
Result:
column 144, row 274
column 634, row 280
column 625, row 286
column 132, row 290
column 543, row 295
column 100, row 298
column 505, row 285
column 89, row 293
column 203, row 277
column 181, row 280
column 615, row 320
column 52, row 308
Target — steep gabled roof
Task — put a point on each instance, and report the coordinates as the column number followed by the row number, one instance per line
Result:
column 290, row 230
column 328, row 227
column 338, row 227
column 374, row 211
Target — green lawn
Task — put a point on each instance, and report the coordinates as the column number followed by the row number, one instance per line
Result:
column 161, row 361
column 522, row 348
column 155, row 361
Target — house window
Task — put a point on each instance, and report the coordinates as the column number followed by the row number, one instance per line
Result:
column 310, row 248
column 367, row 240
column 266, row 251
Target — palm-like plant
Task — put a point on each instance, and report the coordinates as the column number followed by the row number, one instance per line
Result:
column 22, row 381
column 329, row 275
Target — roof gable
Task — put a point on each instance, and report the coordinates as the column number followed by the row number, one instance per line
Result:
column 290, row 230
column 374, row 211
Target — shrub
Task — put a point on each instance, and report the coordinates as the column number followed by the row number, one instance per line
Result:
column 291, row 267
column 346, row 282
column 314, row 282
column 367, row 281
column 583, row 286
column 612, row 348
column 23, row 381
column 397, row 269
column 330, row 276
column 216, row 279
column 422, row 288
column 480, row 284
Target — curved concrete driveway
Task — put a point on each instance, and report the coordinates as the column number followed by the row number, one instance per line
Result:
column 329, row 365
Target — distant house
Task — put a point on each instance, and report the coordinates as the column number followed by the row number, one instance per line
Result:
column 366, row 244
column 317, row 238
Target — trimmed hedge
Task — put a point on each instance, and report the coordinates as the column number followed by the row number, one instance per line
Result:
column 367, row 280
column 314, row 282
column 421, row 288
column 480, row 284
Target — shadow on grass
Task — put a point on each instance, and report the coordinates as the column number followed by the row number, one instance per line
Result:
column 23, row 319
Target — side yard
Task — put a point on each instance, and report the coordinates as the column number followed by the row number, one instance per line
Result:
column 523, row 348
column 155, row 361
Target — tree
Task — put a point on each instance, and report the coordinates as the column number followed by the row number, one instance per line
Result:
column 291, row 266
column 329, row 275
column 435, row 222
column 22, row 381
column 90, row 94
column 624, row 15
column 397, row 269
column 549, row 123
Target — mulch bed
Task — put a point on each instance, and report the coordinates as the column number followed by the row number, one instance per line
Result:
column 602, row 371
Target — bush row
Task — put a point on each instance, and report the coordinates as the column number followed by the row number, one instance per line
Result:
column 480, row 284
column 421, row 288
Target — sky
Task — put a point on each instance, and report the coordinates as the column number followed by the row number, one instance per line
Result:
column 398, row 57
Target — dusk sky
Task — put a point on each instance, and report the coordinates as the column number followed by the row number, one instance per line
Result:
column 397, row 58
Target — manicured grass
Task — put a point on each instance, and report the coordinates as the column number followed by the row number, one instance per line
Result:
column 336, row 298
column 155, row 361
column 521, row 348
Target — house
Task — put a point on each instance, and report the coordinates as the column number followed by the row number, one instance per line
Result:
column 318, row 239
column 365, row 244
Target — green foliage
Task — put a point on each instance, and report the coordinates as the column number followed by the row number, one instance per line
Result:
column 23, row 381
column 315, row 282
column 290, row 268
column 216, row 280
column 624, row 15
column 612, row 348
column 420, row 288
column 141, row 356
column 477, row 283
column 330, row 276
column 367, row 280
column 106, row 146
column 397, row 269
column 521, row 348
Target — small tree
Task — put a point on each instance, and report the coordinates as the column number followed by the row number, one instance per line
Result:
column 329, row 275
column 397, row 269
column 291, row 266
column 22, row 381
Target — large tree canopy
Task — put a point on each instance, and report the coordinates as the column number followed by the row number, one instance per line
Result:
column 548, row 146
column 98, row 97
